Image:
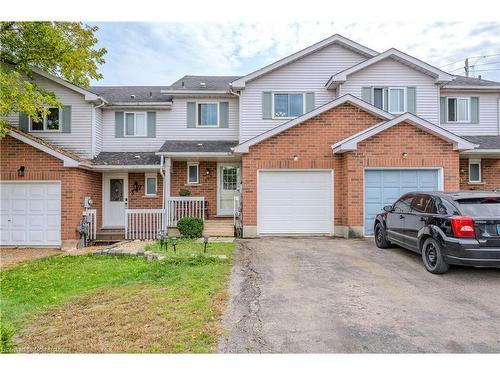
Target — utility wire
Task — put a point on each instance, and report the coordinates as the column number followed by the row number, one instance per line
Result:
column 471, row 57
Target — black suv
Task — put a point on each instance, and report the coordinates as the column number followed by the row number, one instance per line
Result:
column 446, row 228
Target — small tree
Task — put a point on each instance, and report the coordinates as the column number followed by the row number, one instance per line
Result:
column 64, row 49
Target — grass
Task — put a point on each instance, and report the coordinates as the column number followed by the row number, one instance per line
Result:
column 125, row 304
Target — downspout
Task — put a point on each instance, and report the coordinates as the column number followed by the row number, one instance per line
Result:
column 162, row 173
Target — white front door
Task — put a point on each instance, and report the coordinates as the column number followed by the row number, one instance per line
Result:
column 228, row 186
column 115, row 198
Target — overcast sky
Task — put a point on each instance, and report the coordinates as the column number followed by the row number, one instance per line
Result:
column 160, row 53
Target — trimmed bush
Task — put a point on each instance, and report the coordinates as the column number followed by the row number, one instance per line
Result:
column 191, row 227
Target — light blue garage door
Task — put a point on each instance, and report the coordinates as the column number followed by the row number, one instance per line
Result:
column 383, row 187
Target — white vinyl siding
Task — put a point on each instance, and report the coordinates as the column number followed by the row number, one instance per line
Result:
column 488, row 114
column 308, row 74
column 98, row 131
column 170, row 125
column 390, row 73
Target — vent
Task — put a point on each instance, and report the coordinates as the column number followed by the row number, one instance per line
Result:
column 203, row 85
column 132, row 96
column 200, row 144
column 183, row 84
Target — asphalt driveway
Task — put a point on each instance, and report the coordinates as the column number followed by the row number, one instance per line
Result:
column 317, row 295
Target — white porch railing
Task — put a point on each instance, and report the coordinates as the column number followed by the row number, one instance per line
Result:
column 143, row 224
column 179, row 207
column 91, row 215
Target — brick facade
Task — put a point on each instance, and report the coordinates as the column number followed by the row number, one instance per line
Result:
column 140, row 200
column 490, row 175
column 76, row 183
column 311, row 143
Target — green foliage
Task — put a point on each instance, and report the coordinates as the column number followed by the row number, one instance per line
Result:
column 184, row 193
column 190, row 227
column 64, row 49
column 6, row 343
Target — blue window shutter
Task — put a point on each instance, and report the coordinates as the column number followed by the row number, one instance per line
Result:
column 191, row 114
column 411, row 100
column 474, row 110
column 386, row 99
column 442, row 110
column 66, row 119
column 119, row 120
column 151, row 124
column 366, row 94
column 24, row 122
column 267, row 105
column 224, row 114
column 309, row 101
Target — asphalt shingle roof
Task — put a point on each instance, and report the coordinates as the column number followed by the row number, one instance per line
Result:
column 469, row 81
column 211, row 83
column 142, row 94
column 198, row 146
column 126, row 158
column 485, row 142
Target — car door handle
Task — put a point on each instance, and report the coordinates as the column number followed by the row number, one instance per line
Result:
column 401, row 216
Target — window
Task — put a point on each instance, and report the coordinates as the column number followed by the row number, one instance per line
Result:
column 378, row 97
column 397, row 99
column 135, row 124
column 288, row 105
column 50, row 122
column 474, row 170
column 403, row 205
column 151, row 184
column 458, row 110
column 208, row 114
column 419, row 204
column 192, row 173
column 229, row 178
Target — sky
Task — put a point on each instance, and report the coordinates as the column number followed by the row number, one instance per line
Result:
column 151, row 53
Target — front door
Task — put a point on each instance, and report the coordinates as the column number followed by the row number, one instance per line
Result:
column 228, row 181
column 115, row 197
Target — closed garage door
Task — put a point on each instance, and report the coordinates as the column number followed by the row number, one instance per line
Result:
column 383, row 187
column 295, row 202
column 30, row 214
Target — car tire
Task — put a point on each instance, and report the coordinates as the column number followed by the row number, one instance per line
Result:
column 432, row 256
column 380, row 237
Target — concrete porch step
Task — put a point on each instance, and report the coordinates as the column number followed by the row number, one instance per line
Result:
column 219, row 228
column 110, row 235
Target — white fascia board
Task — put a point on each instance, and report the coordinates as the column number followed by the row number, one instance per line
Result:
column 440, row 75
column 195, row 92
column 474, row 88
column 67, row 161
column 126, row 167
column 348, row 98
column 240, row 83
column 193, row 154
column 351, row 143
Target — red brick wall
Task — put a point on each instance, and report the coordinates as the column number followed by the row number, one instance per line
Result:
column 207, row 186
column 490, row 175
column 75, row 183
column 311, row 141
column 140, row 200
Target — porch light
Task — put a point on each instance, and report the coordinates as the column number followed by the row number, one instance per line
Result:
column 136, row 187
column 295, row 158
column 207, row 172
column 404, row 155
column 205, row 241
column 20, row 171
column 174, row 242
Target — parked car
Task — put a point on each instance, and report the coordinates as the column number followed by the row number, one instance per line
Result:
column 460, row 228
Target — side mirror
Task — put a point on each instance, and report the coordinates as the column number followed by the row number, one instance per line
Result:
column 388, row 208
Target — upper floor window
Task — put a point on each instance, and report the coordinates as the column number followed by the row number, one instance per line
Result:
column 397, row 100
column 458, row 110
column 392, row 99
column 287, row 105
column 50, row 122
column 208, row 114
column 135, row 124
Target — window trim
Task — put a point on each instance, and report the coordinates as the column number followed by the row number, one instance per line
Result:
column 473, row 162
column 218, row 115
column 150, row 175
column 389, row 99
column 274, row 117
column 191, row 164
column 44, row 121
column 135, row 125
column 457, row 98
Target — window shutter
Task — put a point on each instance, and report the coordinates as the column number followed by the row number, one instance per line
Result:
column 411, row 100
column 309, row 101
column 442, row 110
column 386, row 99
column 191, row 114
column 474, row 110
column 224, row 114
column 66, row 119
column 24, row 122
column 267, row 105
column 119, row 118
column 366, row 94
column 151, row 119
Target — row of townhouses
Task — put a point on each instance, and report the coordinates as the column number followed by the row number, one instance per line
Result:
column 315, row 143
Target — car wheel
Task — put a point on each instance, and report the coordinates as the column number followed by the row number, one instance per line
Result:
column 380, row 237
column 432, row 255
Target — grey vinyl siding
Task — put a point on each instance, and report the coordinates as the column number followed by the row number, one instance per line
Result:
column 308, row 74
column 488, row 123
column 170, row 125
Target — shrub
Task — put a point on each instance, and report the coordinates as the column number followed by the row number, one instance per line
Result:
column 191, row 227
column 184, row 193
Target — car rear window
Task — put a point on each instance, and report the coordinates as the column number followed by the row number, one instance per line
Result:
column 482, row 207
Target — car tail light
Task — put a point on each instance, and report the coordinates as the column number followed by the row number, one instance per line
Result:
column 463, row 226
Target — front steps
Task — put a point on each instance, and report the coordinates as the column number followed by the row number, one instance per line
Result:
column 106, row 236
column 219, row 228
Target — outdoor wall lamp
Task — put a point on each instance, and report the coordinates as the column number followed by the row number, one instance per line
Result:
column 404, row 155
column 207, row 172
column 136, row 187
column 20, row 171
column 295, row 158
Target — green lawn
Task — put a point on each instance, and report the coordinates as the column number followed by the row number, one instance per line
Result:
column 117, row 304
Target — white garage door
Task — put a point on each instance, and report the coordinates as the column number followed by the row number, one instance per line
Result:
column 295, row 202
column 30, row 213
